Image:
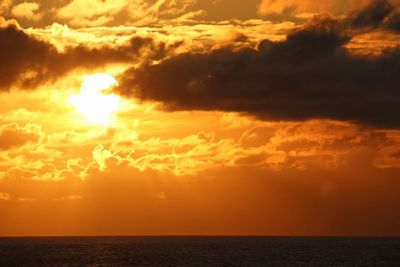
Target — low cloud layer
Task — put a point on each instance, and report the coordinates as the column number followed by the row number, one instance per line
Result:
column 309, row 75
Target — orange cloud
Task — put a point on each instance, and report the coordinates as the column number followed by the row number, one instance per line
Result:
column 12, row 135
column 92, row 12
column 27, row 10
column 96, row 12
column 5, row 6
column 299, row 7
column 4, row 196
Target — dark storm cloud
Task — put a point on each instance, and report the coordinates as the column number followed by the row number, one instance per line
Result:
column 379, row 13
column 29, row 62
column 373, row 14
column 309, row 75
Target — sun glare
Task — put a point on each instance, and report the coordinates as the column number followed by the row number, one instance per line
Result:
column 93, row 101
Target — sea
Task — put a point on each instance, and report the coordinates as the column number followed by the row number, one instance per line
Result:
column 199, row 251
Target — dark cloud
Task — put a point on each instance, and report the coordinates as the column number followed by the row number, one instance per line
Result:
column 28, row 62
column 379, row 13
column 393, row 21
column 372, row 15
column 309, row 75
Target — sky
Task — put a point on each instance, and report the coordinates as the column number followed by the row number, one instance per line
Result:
column 199, row 117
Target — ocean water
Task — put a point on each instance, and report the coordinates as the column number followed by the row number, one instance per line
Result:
column 199, row 251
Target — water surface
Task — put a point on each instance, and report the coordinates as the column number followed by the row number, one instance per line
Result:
column 199, row 251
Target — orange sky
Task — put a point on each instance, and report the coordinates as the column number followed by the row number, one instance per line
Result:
column 199, row 117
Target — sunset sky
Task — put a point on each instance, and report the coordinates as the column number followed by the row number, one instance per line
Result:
column 200, row 117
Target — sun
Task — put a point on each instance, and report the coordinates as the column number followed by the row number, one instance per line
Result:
column 94, row 100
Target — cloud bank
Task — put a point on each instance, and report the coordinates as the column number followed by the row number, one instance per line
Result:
column 310, row 75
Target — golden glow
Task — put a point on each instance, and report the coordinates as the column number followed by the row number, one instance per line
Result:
column 93, row 101
column 77, row 158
